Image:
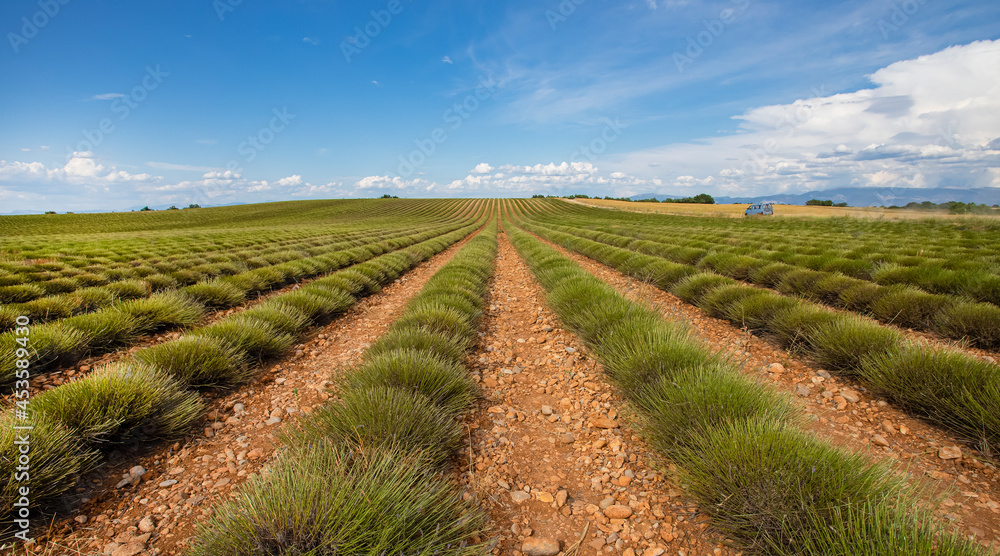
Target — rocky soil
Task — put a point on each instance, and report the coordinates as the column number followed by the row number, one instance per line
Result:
column 553, row 456
column 149, row 500
column 844, row 412
column 551, row 450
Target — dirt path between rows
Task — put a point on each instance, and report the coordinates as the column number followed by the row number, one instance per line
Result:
column 842, row 410
column 553, row 458
column 184, row 480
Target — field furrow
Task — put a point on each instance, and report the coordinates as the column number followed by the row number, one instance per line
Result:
column 552, row 448
column 63, row 345
column 943, row 385
column 950, row 316
column 838, row 408
column 518, row 377
column 244, row 440
column 735, row 441
column 154, row 396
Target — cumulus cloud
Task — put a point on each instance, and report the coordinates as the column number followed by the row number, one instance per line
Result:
column 290, row 181
column 927, row 122
column 81, row 169
column 509, row 179
column 394, row 183
column 225, row 186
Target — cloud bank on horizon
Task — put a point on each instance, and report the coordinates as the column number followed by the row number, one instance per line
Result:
column 929, row 122
column 595, row 122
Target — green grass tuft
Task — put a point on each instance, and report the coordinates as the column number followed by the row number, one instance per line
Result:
column 757, row 311
column 105, row 330
column 435, row 317
column 977, row 322
column 56, row 459
column 198, row 361
column 313, row 303
column 947, row 387
column 253, row 337
column 830, row 290
column 20, row 293
column 163, row 310
column 285, row 318
column 50, row 308
column 908, row 307
column 367, row 501
column 718, row 301
column 641, row 350
column 59, row 285
column 794, row 326
column 216, row 294
column 681, row 408
column 445, row 383
column 119, row 402
column 384, row 417
column 758, row 480
column 92, row 299
column 161, row 282
column 872, row 529
column 696, row 286
column 437, row 343
column 843, row 343
column 861, row 296
column 128, row 289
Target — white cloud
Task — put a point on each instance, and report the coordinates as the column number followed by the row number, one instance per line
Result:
column 290, row 181
column 926, row 122
column 82, row 169
column 487, row 180
column 447, row 60
column 107, row 96
column 310, row 40
column 224, row 186
column 392, row 182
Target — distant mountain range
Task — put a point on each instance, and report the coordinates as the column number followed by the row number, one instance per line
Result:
column 863, row 196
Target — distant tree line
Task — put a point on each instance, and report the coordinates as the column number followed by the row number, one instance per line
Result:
column 953, row 207
column 171, row 207
column 826, row 203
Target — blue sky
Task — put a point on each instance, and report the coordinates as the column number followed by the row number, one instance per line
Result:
column 112, row 105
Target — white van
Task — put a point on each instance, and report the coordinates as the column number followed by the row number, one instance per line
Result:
column 763, row 209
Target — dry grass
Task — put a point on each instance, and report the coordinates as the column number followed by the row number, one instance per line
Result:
column 736, row 211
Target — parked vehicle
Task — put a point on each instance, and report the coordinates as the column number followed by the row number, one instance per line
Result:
column 760, row 209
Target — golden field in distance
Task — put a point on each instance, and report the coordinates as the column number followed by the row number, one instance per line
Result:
column 736, row 210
